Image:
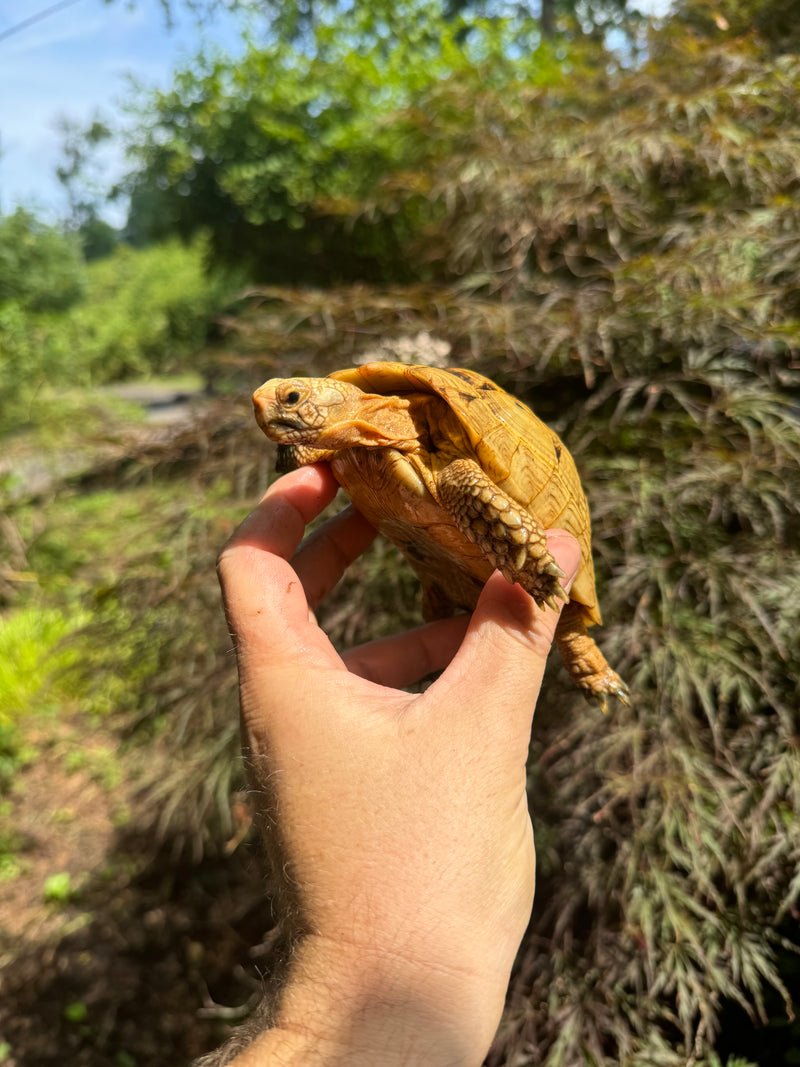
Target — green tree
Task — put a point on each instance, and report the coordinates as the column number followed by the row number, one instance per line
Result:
column 295, row 19
column 272, row 153
column 41, row 268
column 79, row 145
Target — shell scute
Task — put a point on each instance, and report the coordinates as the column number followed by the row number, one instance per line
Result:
column 519, row 452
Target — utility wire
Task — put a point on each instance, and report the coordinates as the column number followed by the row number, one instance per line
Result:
column 36, row 18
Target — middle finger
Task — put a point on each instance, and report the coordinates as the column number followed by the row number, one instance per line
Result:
column 322, row 558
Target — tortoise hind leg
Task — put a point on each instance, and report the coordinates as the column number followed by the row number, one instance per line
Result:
column 585, row 662
column 509, row 537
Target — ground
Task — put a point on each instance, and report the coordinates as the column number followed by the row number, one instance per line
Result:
column 141, row 961
column 113, row 952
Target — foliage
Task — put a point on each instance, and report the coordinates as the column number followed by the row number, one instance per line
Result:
column 11, row 841
column 293, row 20
column 40, row 268
column 122, row 564
column 34, row 680
column 272, row 152
column 58, row 888
column 619, row 247
column 148, row 310
column 77, row 174
column 776, row 21
column 143, row 312
column 27, row 643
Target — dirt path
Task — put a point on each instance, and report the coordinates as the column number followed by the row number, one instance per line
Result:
column 27, row 472
column 162, row 402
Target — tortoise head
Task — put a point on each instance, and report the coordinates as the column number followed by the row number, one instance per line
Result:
column 329, row 414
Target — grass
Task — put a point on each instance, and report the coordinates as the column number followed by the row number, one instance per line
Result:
column 32, row 657
column 11, row 845
column 70, row 553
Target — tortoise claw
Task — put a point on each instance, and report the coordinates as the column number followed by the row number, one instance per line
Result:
column 615, row 688
column 553, row 569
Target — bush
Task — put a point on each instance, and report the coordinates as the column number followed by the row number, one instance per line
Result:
column 41, row 268
column 147, row 311
column 143, row 312
column 271, row 152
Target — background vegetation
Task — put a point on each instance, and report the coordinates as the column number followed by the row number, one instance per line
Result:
column 608, row 226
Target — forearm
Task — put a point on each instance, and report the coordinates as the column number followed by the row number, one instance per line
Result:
column 340, row 1012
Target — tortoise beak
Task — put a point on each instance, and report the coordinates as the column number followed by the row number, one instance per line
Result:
column 267, row 410
column 264, row 407
column 271, row 417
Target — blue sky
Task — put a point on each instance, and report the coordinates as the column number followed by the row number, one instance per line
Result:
column 76, row 62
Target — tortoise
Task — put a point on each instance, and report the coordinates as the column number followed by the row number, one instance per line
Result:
column 461, row 476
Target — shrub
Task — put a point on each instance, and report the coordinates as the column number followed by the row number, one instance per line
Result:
column 41, row 268
column 144, row 312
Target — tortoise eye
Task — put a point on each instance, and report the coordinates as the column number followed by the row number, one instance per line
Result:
column 293, row 397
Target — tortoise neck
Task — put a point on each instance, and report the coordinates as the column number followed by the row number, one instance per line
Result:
column 379, row 422
column 418, row 417
column 371, row 420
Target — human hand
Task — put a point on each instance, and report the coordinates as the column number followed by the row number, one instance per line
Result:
column 402, row 818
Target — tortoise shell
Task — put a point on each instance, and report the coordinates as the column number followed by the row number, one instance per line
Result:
column 521, row 455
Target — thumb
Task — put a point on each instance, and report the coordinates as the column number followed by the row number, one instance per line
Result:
column 505, row 649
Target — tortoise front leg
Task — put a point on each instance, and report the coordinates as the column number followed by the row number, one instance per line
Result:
column 585, row 662
column 511, row 539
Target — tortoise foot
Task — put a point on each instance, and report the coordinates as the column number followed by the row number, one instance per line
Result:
column 586, row 663
column 510, row 538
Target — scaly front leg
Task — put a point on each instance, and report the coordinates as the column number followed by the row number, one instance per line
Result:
column 511, row 539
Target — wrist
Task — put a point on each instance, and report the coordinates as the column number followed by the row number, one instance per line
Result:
column 343, row 1008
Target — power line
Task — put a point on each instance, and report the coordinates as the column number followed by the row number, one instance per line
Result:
column 36, row 18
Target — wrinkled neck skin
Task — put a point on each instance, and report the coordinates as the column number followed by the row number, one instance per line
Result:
column 386, row 422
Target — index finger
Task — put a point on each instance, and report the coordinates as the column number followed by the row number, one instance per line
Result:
column 279, row 521
column 264, row 598
column 323, row 557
